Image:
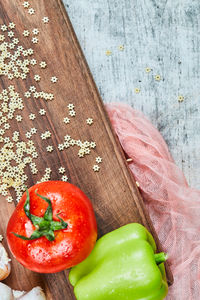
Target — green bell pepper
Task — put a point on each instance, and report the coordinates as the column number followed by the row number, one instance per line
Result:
column 122, row 266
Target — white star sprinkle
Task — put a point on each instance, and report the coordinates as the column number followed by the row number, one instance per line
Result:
column 11, row 34
column 2, row 37
column 43, row 64
column 89, row 121
column 34, row 154
column 37, row 77
column 72, row 113
column 61, row 170
column 30, row 51
column 45, row 135
column 11, row 25
column 64, row 178
column 32, row 116
column 26, row 33
column 9, row 199
column 67, row 137
column 54, row 79
column 42, row 112
column 35, row 31
column 61, row 147
column 33, row 130
column 45, row 20
column 81, row 152
column 4, row 27
column 34, row 40
column 87, row 151
column 49, row 148
column 66, row 120
column 70, row 106
column 27, row 94
column 98, row 159
column 32, row 89
column 92, row 145
column 6, row 126
column 28, row 135
column 31, row 11
column 15, row 41
column 72, row 142
column 26, row 4
column 96, row 168
column 18, row 118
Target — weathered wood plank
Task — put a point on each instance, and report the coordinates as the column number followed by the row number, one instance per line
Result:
column 157, row 34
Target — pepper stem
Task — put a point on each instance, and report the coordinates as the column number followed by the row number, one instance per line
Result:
column 160, row 257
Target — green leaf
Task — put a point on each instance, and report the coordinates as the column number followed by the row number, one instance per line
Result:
column 21, row 236
column 45, row 226
column 64, row 224
column 27, row 205
column 50, row 235
column 48, row 213
column 34, row 219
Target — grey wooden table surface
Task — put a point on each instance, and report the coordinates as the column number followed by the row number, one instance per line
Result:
column 163, row 35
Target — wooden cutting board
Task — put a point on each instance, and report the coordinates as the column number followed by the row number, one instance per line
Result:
column 112, row 190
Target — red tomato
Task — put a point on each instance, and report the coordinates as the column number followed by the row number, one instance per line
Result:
column 71, row 245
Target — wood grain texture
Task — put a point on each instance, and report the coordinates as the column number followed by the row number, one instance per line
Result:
column 115, row 197
column 157, row 34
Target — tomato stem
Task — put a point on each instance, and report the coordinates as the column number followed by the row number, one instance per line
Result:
column 45, row 226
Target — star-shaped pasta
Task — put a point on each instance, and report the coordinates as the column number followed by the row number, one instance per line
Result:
column 89, row 121
column 11, row 25
column 18, row 118
column 33, row 130
column 32, row 89
column 61, row 147
column 32, row 116
column 27, row 94
column 96, row 168
column 67, row 137
column 72, row 113
column 45, row 20
column 26, row 33
column 4, row 27
column 92, row 145
column 81, row 153
column 42, row 112
column 34, row 154
column 35, row 31
column 28, row 135
column 49, row 148
column 31, row 11
column 54, row 79
column 64, row 178
column 66, row 120
column 15, row 41
column 26, row 4
column 9, row 199
column 11, row 34
column 98, row 159
column 2, row 37
column 37, row 77
column 43, row 64
column 34, row 40
column 70, row 106
column 61, row 170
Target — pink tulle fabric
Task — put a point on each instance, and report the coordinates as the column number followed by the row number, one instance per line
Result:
column 173, row 206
